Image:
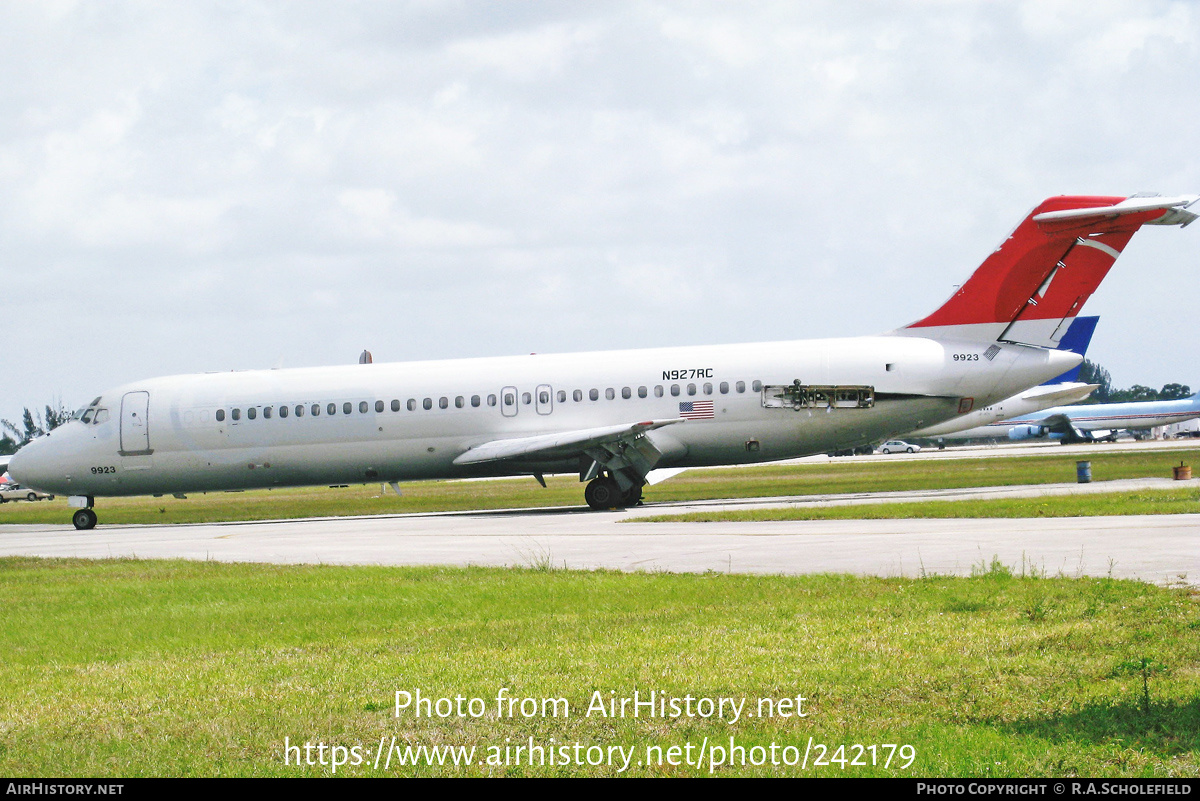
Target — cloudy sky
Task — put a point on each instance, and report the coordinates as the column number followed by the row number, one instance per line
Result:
column 228, row 185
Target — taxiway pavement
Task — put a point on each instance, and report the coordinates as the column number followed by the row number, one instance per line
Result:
column 1163, row 549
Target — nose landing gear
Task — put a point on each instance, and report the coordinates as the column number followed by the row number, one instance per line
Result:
column 84, row 519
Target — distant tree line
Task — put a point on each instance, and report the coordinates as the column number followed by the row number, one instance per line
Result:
column 14, row 436
column 1092, row 373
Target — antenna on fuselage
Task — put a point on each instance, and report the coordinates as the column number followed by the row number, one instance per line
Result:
column 365, row 357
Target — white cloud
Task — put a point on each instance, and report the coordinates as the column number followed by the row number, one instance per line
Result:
column 289, row 180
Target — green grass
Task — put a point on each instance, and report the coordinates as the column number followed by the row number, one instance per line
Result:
column 763, row 481
column 127, row 668
column 1149, row 502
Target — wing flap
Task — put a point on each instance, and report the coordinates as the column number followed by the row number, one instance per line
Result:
column 558, row 445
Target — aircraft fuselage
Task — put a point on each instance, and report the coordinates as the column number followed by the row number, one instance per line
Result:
column 409, row 421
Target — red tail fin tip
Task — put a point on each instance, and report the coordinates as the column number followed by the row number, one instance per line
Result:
column 1031, row 287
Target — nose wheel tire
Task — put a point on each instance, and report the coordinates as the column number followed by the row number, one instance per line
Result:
column 603, row 493
column 84, row 519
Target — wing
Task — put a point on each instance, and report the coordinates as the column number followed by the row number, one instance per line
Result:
column 562, row 445
column 1057, row 424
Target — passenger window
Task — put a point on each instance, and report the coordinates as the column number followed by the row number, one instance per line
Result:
column 378, row 406
column 724, row 387
column 299, row 410
column 562, row 396
column 412, row 404
column 347, row 407
column 756, row 386
column 316, row 410
column 626, row 393
column 491, row 400
column 658, row 391
column 427, row 404
column 642, row 392
column 594, row 394
column 691, row 389
column 266, row 412
column 577, row 395
column 443, row 402
column 331, row 408
column 708, row 389
column 283, row 411
column 251, row 413
column 475, row 401
column 220, row 415
column 236, row 414
column 610, row 393
column 674, row 390
column 543, row 397
column 526, row 398
column 509, row 399
column 741, row 386
column 395, row 405
column 459, row 402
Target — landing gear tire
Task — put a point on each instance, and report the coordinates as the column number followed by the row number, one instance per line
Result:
column 634, row 496
column 603, row 493
column 84, row 519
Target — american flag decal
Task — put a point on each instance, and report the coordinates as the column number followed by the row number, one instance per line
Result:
column 697, row 410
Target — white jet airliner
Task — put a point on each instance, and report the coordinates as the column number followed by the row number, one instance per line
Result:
column 1092, row 422
column 610, row 416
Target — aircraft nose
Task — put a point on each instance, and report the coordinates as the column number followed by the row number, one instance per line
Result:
column 31, row 467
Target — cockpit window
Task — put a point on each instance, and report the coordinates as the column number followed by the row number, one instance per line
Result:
column 101, row 416
column 87, row 416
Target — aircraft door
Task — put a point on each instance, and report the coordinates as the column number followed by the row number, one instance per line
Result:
column 544, row 399
column 508, row 402
column 135, row 424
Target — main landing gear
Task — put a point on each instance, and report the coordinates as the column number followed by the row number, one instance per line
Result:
column 605, row 493
column 85, row 516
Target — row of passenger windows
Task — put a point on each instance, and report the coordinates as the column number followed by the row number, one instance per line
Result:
column 460, row 401
column 642, row 392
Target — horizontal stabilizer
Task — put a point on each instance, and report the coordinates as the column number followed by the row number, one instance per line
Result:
column 558, row 446
column 1176, row 208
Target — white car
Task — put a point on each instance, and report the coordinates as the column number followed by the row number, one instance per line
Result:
column 15, row 492
column 899, row 446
